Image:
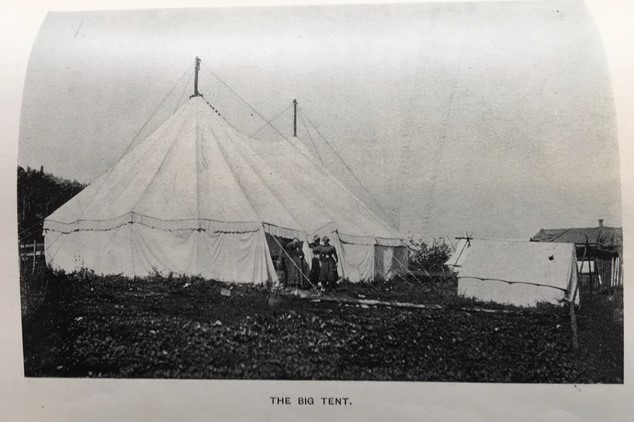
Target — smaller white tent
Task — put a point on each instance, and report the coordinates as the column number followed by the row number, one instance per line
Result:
column 516, row 273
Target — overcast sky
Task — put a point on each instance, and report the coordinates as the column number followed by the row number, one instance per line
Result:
column 490, row 118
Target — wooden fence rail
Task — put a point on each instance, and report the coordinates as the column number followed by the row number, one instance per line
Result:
column 31, row 251
column 27, row 250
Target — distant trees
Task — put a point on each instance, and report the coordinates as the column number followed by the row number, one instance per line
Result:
column 39, row 194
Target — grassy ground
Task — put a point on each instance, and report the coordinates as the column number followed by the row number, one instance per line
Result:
column 89, row 326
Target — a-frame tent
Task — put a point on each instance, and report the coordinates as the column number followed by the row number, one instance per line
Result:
column 197, row 197
column 519, row 273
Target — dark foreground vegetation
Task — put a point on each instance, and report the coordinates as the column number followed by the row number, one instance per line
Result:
column 82, row 325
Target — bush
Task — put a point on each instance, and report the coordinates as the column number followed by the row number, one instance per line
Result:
column 424, row 257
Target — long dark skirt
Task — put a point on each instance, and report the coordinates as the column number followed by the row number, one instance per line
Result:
column 294, row 275
column 314, row 270
column 328, row 273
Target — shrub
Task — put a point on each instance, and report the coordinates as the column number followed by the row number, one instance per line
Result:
column 428, row 257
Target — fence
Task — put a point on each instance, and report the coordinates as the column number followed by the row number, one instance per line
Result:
column 601, row 273
column 31, row 252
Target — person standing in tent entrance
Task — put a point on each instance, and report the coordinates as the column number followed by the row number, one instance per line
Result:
column 315, row 246
column 294, row 263
column 328, row 264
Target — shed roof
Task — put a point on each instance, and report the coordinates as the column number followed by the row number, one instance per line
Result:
column 609, row 237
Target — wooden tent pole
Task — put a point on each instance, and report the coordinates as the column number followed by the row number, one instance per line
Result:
column 196, row 69
column 295, row 118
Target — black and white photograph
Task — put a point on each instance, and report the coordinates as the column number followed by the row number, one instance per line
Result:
column 422, row 192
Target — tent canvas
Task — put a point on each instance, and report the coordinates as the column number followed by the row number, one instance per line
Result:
column 457, row 257
column 517, row 273
column 196, row 198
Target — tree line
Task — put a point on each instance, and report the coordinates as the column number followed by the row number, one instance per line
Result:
column 39, row 195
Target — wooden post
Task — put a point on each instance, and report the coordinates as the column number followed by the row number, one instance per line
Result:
column 586, row 258
column 573, row 325
column 573, row 320
column 573, row 315
column 580, row 273
column 196, row 69
column 597, row 274
column 34, row 251
column 295, row 118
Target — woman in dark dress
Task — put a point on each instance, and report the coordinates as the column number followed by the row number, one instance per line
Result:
column 314, row 263
column 328, row 264
column 294, row 264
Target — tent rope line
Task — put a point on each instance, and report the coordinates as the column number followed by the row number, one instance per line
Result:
column 286, row 139
column 252, row 108
column 277, row 116
column 299, row 232
column 359, row 242
column 183, row 93
column 153, row 113
column 301, row 112
column 402, row 278
column 48, row 245
column 437, row 155
column 268, row 123
column 194, row 224
column 408, row 270
column 32, row 227
column 133, row 139
column 515, row 282
column 312, row 141
column 460, row 254
column 295, row 265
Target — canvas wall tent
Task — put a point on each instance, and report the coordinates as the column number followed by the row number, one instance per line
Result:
column 197, row 197
column 599, row 252
column 516, row 272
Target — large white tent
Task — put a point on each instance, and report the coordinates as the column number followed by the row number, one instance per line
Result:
column 519, row 273
column 197, row 197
